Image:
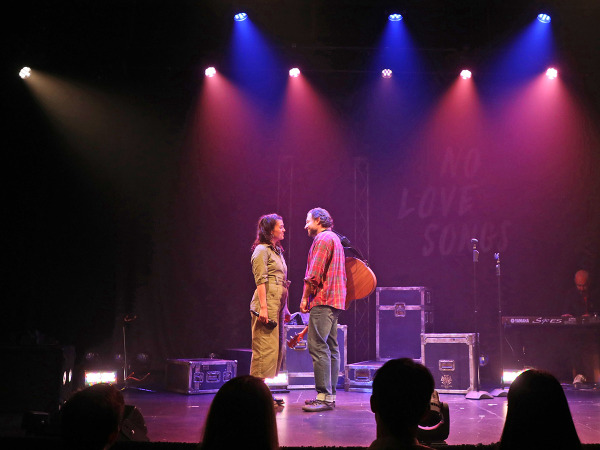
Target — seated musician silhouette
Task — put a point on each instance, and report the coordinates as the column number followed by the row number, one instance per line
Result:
column 582, row 302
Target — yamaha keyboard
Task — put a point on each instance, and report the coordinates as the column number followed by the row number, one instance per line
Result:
column 549, row 320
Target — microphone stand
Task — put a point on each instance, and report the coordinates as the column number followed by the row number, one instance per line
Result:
column 126, row 321
column 476, row 394
column 501, row 392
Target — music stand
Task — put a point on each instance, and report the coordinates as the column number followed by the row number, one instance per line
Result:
column 476, row 394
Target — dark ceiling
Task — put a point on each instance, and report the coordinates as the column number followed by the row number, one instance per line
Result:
column 119, row 37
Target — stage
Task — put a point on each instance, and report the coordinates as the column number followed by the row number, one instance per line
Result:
column 172, row 417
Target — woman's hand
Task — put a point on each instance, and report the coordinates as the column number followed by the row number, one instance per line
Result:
column 263, row 314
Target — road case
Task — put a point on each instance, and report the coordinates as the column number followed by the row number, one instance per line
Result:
column 451, row 359
column 402, row 315
column 199, row 376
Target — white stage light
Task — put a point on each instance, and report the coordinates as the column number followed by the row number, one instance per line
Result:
column 551, row 73
column 465, row 74
column 25, row 72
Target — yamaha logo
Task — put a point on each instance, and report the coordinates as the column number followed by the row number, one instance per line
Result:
column 519, row 320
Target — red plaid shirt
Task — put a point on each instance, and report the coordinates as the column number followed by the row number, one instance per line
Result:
column 326, row 271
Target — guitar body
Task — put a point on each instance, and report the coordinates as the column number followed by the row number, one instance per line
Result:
column 360, row 283
column 360, row 280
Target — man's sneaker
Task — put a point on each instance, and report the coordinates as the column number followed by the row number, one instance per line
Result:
column 313, row 400
column 319, row 405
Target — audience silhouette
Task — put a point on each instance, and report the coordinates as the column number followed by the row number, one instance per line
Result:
column 241, row 416
column 538, row 415
column 91, row 418
column 402, row 391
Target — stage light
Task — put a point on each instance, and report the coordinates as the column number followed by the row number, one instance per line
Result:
column 544, row 18
column 395, row 17
column 240, row 17
column 465, row 74
column 96, row 377
column 509, row 375
column 386, row 73
column 551, row 73
column 295, row 72
column 280, row 382
column 25, row 72
column 210, row 72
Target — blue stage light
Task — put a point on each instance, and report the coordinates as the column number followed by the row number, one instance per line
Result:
column 544, row 18
column 386, row 73
column 240, row 17
column 395, row 17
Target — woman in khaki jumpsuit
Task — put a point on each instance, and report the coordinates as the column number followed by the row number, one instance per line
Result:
column 270, row 297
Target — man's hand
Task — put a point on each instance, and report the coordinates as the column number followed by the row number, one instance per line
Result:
column 304, row 305
column 286, row 315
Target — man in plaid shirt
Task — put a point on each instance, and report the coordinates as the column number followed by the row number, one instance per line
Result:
column 325, row 296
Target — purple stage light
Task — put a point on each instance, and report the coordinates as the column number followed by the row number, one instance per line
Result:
column 386, row 73
column 210, row 72
column 465, row 74
column 295, row 72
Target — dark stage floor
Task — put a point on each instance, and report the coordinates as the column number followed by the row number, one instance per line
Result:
column 172, row 417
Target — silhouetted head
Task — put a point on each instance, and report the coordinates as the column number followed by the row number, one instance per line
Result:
column 402, row 391
column 241, row 415
column 91, row 418
column 538, row 414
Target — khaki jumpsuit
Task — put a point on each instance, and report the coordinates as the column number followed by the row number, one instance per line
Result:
column 268, row 266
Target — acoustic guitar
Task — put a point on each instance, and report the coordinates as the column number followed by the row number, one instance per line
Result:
column 360, row 283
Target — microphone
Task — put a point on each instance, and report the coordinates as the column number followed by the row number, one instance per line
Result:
column 346, row 243
column 343, row 239
column 270, row 324
column 474, row 242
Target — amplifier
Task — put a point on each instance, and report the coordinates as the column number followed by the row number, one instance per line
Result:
column 243, row 356
column 199, row 376
column 298, row 362
column 36, row 378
